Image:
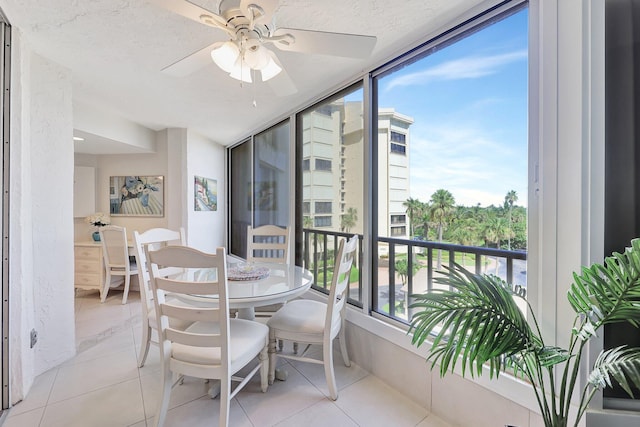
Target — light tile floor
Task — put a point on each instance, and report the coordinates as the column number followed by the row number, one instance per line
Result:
column 102, row 386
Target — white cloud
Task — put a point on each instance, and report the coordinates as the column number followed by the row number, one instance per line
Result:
column 465, row 161
column 470, row 67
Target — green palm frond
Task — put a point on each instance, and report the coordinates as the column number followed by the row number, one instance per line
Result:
column 475, row 321
column 551, row 356
column 621, row 364
column 609, row 293
column 526, row 363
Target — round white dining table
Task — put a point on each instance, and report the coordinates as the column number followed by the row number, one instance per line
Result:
column 282, row 283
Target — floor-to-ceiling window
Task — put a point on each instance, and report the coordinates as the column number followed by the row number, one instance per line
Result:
column 240, row 201
column 447, row 150
column 330, row 190
column 271, row 192
column 259, row 184
column 452, row 166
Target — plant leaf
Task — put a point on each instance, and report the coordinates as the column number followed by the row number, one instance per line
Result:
column 474, row 321
column 621, row 364
column 608, row 293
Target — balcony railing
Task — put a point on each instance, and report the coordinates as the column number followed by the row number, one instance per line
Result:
column 319, row 257
column 421, row 261
column 392, row 285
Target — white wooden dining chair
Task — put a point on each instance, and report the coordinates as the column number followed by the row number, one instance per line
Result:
column 268, row 243
column 115, row 252
column 214, row 346
column 154, row 239
column 313, row 322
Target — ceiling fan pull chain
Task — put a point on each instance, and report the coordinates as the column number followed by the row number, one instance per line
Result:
column 253, row 89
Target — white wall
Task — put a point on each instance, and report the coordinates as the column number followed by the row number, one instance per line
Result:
column 132, row 164
column 458, row 400
column 179, row 156
column 41, row 213
column 41, row 228
column 206, row 159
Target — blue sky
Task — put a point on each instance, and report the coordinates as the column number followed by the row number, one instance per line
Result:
column 469, row 105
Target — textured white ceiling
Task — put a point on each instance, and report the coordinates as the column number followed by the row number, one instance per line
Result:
column 116, row 49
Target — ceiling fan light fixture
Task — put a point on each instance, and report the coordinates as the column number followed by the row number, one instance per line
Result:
column 241, row 71
column 257, row 57
column 225, row 55
column 270, row 70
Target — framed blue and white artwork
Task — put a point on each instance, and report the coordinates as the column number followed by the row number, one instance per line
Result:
column 136, row 195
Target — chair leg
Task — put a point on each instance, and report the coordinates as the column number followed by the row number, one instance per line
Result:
column 327, row 356
column 272, row 356
column 225, row 390
column 105, row 289
column 343, row 347
column 264, row 368
column 144, row 345
column 127, row 282
column 163, row 406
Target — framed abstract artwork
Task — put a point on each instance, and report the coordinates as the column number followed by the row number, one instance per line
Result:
column 205, row 194
column 136, row 195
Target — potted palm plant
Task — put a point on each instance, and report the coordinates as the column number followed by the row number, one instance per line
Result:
column 476, row 322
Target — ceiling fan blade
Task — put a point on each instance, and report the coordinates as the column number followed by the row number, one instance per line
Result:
column 268, row 6
column 191, row 63
column 281, row 84
column 336, row 44
column 193, row 12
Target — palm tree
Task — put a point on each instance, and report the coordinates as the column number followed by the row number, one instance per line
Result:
column 307, row 222
column 464, row 234
column 495, row 230
column 442, row 203
column 509, row 201
column 349, row 219
column 413, row 208
column 423, row 219
column 402, row 269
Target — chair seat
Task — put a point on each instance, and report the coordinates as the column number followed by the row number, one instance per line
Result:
column 214, row 347
column 246, row 338
column 304, row 319
column 316, row 323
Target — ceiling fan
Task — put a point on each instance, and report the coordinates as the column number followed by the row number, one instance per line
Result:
column 252, row 35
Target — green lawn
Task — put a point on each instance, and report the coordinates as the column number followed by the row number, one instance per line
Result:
column 353, row 278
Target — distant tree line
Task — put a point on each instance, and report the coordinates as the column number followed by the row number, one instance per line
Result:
column 440, row 219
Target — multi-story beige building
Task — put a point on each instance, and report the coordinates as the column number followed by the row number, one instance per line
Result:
column 393, row 173
column 333, row 169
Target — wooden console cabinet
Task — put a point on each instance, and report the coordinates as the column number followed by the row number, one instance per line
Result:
column 89, row 266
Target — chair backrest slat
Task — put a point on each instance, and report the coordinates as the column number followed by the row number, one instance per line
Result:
column 268, row 243
column 181, row 286
column 339, row 293
column 200, row 315
column 114, row 246
column 192, row 339
column 213, row 281
column 154, row 238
